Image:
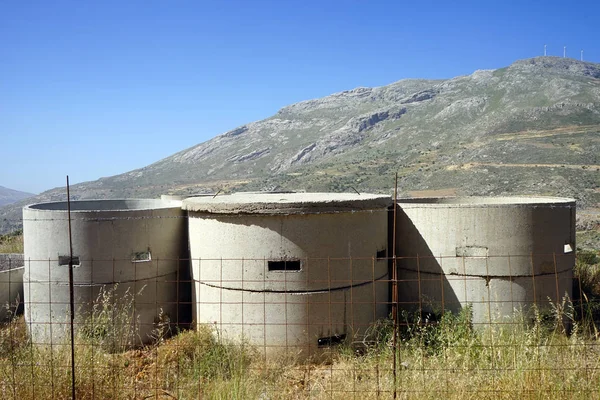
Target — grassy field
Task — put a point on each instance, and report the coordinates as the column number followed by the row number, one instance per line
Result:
column 555, row 355
column 12, row 242
column 448, row 359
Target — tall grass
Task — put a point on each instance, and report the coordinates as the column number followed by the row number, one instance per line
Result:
column 11, row 242
column 446, row 359
column 554, row 356
column 587, row 289
column 111, row 324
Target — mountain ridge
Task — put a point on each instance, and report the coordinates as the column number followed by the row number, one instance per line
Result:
column 532, row 127
column 9, row 196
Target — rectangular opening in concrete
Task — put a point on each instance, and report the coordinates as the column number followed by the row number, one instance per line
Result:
column 285, row 265
column 381, row 254
column 141, row 256
column 331, row 340
column 63, row 261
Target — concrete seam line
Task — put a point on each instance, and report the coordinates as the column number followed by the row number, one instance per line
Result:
column 316, row 291
column 482, row 276
column 106, row 283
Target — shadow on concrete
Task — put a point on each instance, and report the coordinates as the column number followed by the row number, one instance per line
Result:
column 422, row 284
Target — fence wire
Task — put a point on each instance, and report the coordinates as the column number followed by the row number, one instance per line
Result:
column 282, row 326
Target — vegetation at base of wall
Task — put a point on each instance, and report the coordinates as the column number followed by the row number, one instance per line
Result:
column 521, row 358
column 587, row 286
column 111, row 324
column 550, row 354
column 587, row 269
column 12, row 242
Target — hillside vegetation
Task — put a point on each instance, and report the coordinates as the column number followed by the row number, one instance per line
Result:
column 11, row 242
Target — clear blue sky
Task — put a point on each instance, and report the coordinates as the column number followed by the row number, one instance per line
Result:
column 97, row 88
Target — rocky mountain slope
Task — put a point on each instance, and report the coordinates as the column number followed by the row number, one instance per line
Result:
column 530, row 128
column 8, row 196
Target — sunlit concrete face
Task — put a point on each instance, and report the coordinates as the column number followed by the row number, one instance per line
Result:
column 289, row 272
column 495, row 254
column 127, row 246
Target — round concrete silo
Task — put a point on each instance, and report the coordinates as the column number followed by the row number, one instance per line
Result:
column 11, row 285
column 185, row 279
column 496, row 254
column 293, row 272
column 173, row 198
column 129, row 247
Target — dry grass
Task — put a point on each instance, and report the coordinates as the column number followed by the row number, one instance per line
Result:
column 11, row 243
column 443, row 360
column 522, row 358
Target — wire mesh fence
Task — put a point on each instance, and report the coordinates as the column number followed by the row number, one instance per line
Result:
column 368, row 325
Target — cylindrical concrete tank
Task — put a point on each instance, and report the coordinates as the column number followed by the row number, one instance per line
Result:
column 181, row 197
column 11, row 285
column 496, row 254
column 293, row 272
column 172, row 198
column 130, row 247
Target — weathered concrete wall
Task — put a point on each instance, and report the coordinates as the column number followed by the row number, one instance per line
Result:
column 332, row 283
column 11, row 285
column 121, row 245
column 496, row 254
column 293, row 323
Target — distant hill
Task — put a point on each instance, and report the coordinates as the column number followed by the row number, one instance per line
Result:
column 8, row 196
column 530, row 128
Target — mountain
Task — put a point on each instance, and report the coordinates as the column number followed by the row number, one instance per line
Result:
column 530, row 128
column 8, row 196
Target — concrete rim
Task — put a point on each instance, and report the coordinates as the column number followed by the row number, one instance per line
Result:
column 486, row 201
column 286, row 203
column 103, row 205
column 181, row 197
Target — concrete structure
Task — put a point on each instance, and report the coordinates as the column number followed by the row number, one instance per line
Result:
column 125, row 245
column 289, row 271
column 11, row 285
column 497, row 254
column 181, row 197
column 173, row 198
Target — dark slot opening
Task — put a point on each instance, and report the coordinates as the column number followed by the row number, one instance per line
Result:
column 64, row 261
column 331, row 340
column 381, row 254
column 284, row 265
column 141, row 256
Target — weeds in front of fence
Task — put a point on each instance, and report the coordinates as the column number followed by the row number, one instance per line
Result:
column 112, row 324
column 536, row 354
column 527, row 357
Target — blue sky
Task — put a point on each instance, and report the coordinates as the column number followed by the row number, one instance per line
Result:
column 94, row 89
